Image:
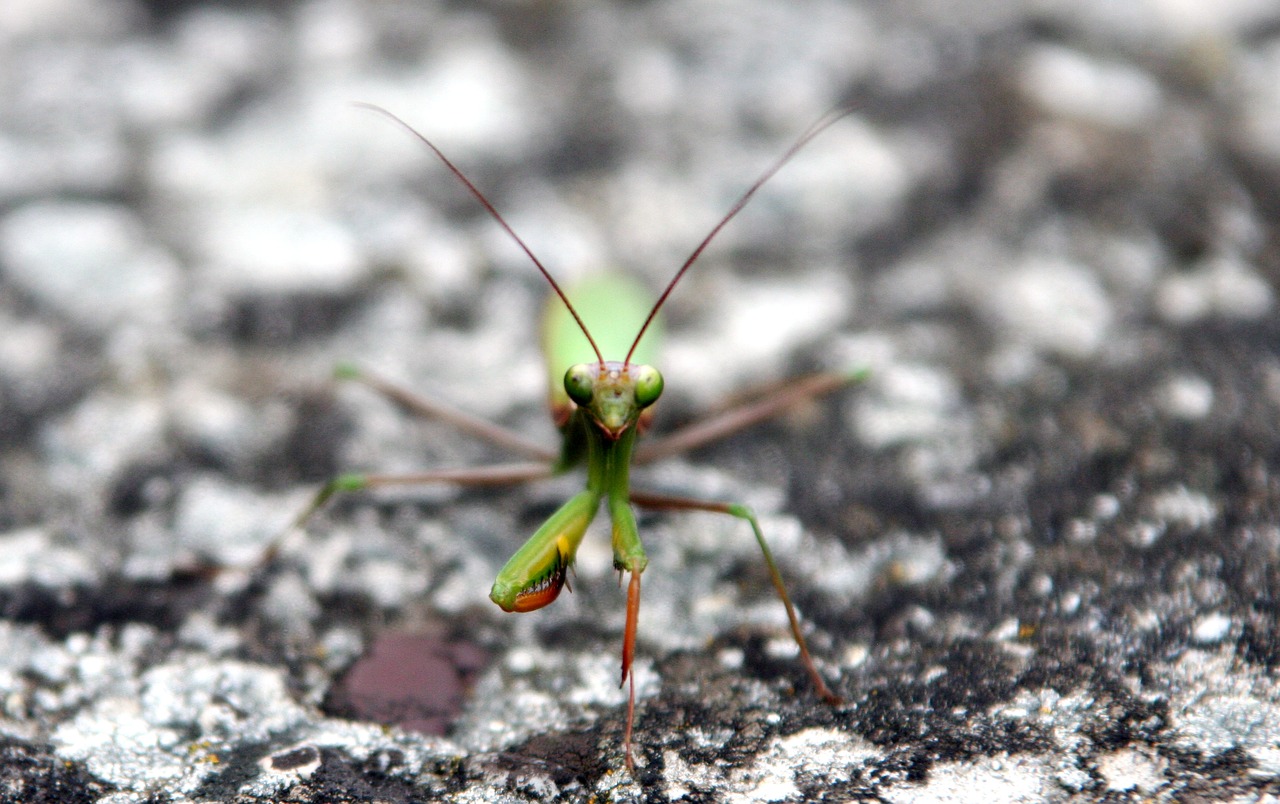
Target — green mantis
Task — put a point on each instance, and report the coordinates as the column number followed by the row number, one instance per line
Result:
column 601, row 406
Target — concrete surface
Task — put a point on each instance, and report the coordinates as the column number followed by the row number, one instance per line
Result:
column 1036, row 551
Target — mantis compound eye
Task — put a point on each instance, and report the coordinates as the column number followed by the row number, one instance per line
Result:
column 579, row 383
column 648, row 385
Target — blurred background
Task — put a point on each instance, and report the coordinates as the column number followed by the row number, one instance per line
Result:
column 1049, row 229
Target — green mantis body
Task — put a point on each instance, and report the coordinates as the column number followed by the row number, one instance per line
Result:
column 601, row 406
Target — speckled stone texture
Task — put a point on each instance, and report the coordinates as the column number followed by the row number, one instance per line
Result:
column 1037, row 551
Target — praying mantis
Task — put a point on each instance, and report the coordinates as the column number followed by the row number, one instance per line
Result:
column 600, row 406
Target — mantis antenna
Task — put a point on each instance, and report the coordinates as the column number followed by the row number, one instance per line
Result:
column 822, row 124
column 493, row 212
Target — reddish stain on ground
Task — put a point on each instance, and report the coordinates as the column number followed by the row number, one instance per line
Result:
column 418, row 682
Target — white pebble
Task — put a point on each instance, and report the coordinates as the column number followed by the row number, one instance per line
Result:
column 1054, row 305
column 1070, row 83
column 1223, row 286
column 1211, row 628
column 1187, row 397
column 91, row 262
column 280, row 250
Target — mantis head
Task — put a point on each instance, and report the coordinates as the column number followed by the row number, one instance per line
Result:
column 613, row 394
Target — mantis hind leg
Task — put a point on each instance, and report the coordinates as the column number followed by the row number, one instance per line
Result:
column 667, row 503
column 426, row 408
column 765, row 404
column 496, row 475
column 542, row 464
